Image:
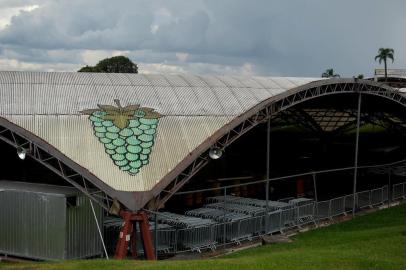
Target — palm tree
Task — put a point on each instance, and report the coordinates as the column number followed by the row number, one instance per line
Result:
column 329, row 73
column 383, row 55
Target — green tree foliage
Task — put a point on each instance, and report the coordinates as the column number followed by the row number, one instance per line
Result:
column 116, row 64
column 329, row 73
column 383, row 55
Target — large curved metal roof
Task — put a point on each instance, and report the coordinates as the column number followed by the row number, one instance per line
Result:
column 157, row 124
column 49, row 105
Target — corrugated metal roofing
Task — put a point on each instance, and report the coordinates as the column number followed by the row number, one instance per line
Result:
column 193, row 109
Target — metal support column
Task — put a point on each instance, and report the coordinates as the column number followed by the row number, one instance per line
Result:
column 356, row 154
column 224, row 216
column 128, row 232
column 315, row 187
column 156, row 235
column 268, row 161
column 389, row 187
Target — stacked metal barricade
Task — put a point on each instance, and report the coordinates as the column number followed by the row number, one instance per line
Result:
column 192, row 233
column 231, row 219
column 166, row 236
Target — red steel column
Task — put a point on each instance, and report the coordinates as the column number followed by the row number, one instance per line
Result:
column 146, row 236
column 124, row 237
column 128, row 233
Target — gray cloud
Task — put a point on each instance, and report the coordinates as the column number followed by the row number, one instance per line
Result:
column 293, row 38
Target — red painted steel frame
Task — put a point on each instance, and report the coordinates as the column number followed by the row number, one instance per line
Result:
column 128, row 234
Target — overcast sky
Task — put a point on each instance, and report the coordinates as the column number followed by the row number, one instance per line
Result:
column 258, row 37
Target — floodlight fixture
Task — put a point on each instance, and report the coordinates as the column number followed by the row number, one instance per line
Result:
column 215, row 153
column 21, row 152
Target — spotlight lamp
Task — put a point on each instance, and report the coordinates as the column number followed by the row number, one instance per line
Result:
column 215, row 153
column 21, row 152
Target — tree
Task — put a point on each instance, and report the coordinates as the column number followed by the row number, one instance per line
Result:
column 383, row 55
column 360, row 76
column 116, row 64
column 329, row 73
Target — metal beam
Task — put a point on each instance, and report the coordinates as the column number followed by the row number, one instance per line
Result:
column 356, row 154
column 268, row 162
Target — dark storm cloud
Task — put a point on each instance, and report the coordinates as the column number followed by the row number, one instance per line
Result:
column 298, row 38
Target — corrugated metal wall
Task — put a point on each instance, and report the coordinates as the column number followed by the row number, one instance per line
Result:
column 41, row 226
column 82, row 237
column 32, row 225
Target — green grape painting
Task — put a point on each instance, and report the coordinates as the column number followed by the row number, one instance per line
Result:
column 127, row 133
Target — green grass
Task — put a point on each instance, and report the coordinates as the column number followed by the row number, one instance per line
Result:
column 373, row 241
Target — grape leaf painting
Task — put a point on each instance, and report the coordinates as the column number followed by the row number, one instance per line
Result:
column 127, row 133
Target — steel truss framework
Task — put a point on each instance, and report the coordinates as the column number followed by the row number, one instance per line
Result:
column 55, row 165
column 337, row 121
column 268, row 109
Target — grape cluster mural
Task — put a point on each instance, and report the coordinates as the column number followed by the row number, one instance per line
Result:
column 127, row 133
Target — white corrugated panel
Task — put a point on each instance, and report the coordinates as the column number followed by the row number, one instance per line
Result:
column 228, row 101
column 80, row 78
column 284, row 83
column 7, row 77
column 6, row 97
column 266, row 82
column 168, row 97
column 195, row 81
column 157, row 79
column 176, row 80
column 119, row 79
column 211, row 81
column 261, row 93
column 248, row 82
column 245, row 97
column 188, row 101
column 207, row 102
column 101, row 78
column 138, row 80
column 230, row 81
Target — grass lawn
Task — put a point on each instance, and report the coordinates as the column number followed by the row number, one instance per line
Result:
column 373, row 241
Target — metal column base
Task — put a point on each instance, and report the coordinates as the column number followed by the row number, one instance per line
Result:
column 128, row 234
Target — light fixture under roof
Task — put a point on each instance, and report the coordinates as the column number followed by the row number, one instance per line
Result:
column 21, row 152
column 215, row 153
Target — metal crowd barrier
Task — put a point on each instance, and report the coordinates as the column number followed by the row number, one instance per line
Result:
column 337, row 207
column 364, row 199
column 165, row 240
column 399, row 191
column 196, row 238
column 238, row 208
column 238, row 219
column 166, row 236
